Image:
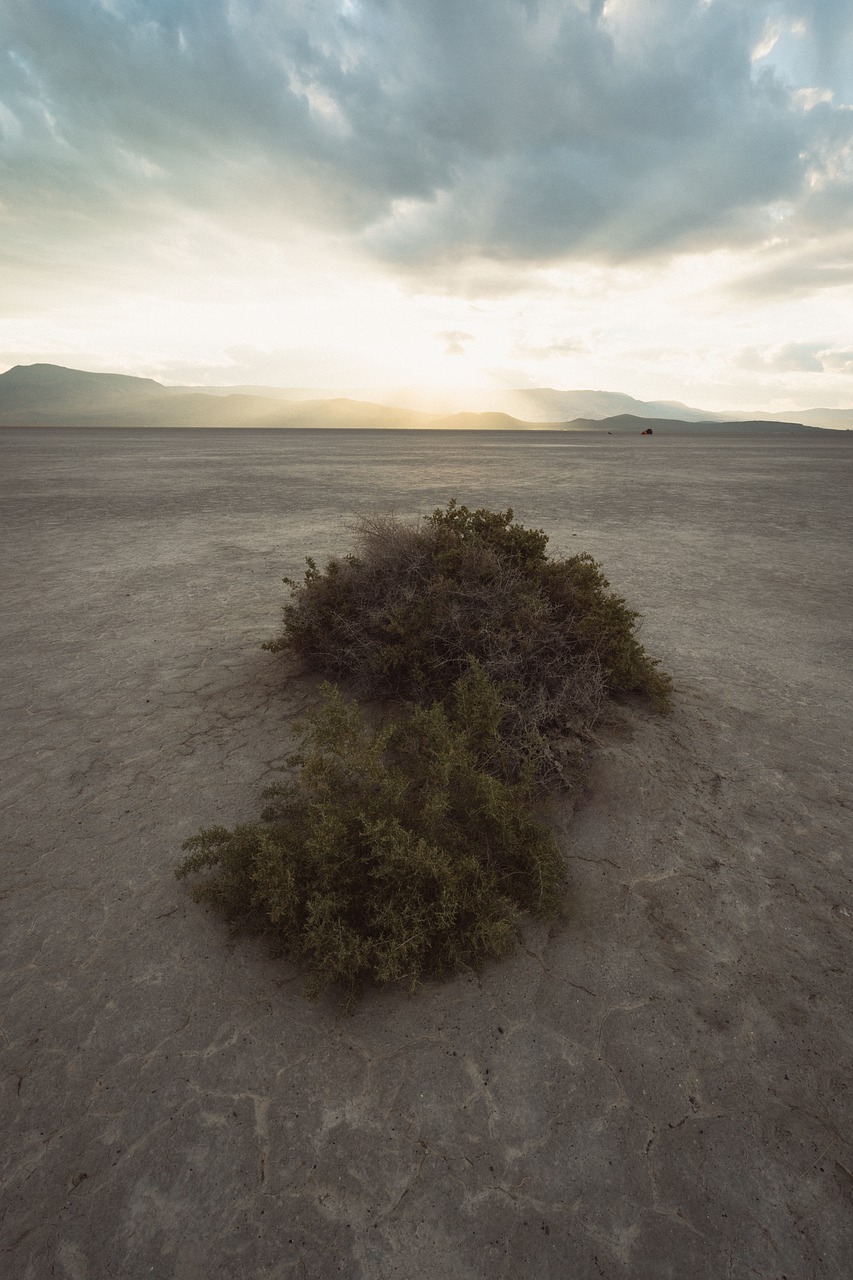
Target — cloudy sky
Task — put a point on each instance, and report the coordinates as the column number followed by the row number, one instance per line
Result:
column 648, row 196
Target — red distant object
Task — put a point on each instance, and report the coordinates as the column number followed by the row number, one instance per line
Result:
column 648, row 432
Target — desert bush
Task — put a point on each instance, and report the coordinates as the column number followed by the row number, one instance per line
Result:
column 389, row 855
column 403, row 616
column 410, row 851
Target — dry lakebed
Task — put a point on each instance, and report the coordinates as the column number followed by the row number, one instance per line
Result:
column 658, row 1087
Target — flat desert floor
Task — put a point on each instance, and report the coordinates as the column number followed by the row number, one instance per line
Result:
column 659, row 1087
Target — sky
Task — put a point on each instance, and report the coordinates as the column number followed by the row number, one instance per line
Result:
column 456, row 196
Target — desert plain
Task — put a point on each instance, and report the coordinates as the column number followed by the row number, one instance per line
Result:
column 658, row 1086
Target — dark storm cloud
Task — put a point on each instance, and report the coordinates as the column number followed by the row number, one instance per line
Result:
column 430, row 130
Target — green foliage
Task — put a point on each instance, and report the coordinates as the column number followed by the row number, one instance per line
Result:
column 391, row 855
column 404, row 617
column 409, row 852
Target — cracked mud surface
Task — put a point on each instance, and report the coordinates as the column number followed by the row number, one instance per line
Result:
column 660, row 1087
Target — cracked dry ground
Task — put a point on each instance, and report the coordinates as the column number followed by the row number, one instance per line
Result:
column 660, row 1087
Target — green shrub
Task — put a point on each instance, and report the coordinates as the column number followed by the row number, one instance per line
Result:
column 403, row 617
column 409, row 852
column 392, row 855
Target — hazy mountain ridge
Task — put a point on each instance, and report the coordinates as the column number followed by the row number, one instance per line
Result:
column 43, row 387
column 548, row 403
column 545, row 402
column 545, row 405
column 53, row 396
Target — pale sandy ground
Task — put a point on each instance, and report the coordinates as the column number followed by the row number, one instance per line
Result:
column 660, row 1088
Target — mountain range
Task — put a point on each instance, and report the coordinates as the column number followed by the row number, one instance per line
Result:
column 47, row 395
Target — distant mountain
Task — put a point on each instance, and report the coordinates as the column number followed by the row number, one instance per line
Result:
column 548, row 404
column 276, row 393
column 834, row 419
column 44, row 388
column 51, row 396
column 43, row 395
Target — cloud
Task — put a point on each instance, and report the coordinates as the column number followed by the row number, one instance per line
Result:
column 839, row 361
column 799, row 265
column 812, row 35
column 426, row 132
column 550, row 350
column 797, row 357
column 793, row 357
column 455, row 340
